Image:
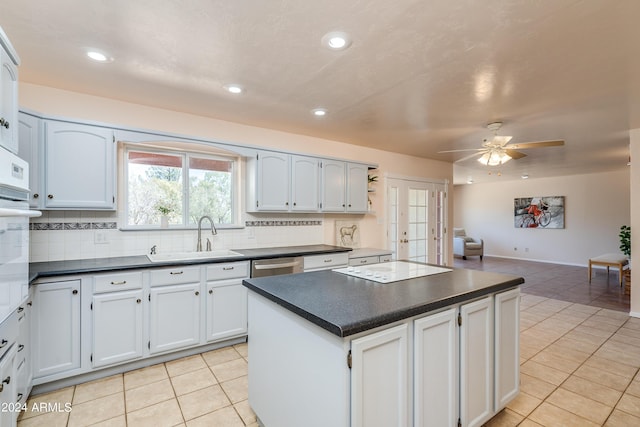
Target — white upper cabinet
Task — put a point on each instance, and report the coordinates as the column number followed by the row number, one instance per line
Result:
column 333, row 186
column 29, row 136
column 279, row 182
column 304, row 183
column 79, row 166
column 344, row 187
column 8, row 98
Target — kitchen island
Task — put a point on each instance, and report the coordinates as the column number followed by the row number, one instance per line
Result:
column 327, row 348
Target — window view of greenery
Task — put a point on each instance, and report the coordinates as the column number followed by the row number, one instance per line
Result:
column 158, row 183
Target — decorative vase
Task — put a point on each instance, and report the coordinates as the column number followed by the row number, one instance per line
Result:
column 164, row 221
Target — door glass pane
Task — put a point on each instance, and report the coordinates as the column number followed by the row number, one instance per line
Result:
column 392, row 226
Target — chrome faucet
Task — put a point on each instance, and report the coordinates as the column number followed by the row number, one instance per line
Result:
column 213, row 232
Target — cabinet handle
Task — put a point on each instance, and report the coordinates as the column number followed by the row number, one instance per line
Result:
column 36, row 195
column 122, row 282
column 210, row 291
column 20, row 309
column 29, row 303
column 4, row 123
column 328, row 260
column 20, row 396
column 227, row 268
column 3, row 343
column 197, row 293
column 6, row 380
column 176, row 272
column 363, row 261
column 50, row 196
column 138, row 300
column 75, row 292
column 20, row 347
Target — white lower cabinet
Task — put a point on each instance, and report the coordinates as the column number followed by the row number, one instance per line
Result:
column 380, row 379
column 117, row 327
column 56, row 328
column 174, row 317
column 476, row 362
column 507, row 348
column 435, row 392
column 226, row 309
column 8, row 412
column 24, row 374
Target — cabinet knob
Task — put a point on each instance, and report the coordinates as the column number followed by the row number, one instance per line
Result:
column 294, row 203
column 138, row 300
column 286, row 203
column 36, row 195
column 50, row 196
column 197, row 293
column 349, row 204
column 75, row 292
column 20, row 347
column 210, row 291
column 3, row 343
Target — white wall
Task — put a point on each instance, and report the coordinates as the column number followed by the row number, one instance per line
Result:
column 54, row 245
column 596, row 205
column 635, row 220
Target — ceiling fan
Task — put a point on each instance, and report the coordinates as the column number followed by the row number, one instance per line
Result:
column 497, row 151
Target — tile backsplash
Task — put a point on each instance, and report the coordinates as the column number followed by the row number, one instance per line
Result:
column 65, row 235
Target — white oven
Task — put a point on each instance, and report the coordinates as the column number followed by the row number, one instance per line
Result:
column 14, row 232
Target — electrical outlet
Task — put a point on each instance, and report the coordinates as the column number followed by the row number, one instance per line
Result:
column 100, row 238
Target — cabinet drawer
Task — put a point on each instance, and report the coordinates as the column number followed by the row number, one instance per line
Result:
column 117, row 282
column 229, row 270
column 326, row 260
column 364, row 260
column 174, row 276
column 8, row 332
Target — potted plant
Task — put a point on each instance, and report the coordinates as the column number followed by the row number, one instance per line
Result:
column 625, row 247
column 164, row 218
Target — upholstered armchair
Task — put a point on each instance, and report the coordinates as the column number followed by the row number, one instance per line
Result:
column 465, row 246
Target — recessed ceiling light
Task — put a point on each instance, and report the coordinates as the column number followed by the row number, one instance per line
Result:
column 319, row 112
column 234, row 88
column 336, row 40
column 99, row 56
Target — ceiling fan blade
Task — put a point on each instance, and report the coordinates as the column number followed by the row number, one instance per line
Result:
column 460, row 151
column 502, row 140
column 514, row 154
column 468, row 157
column 537, row 144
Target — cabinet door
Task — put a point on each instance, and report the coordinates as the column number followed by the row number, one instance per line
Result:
column 507, row 347
column 8, row 103
column 23, row 353
column 476, row 362
column 304, row 182
column 174, row 317
column 8, row 388
column 29, row 137
column 117, row 327
column 273, row 181
column 357, row 183
column 79, row 165
column 379, row 379
column 55, row 327
column 333, row 186
column 436, row 370
column 226, row 309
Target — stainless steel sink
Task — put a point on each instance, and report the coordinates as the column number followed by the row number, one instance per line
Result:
column 186, row 256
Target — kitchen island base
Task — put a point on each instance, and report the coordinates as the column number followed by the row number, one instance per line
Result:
column 455, row 364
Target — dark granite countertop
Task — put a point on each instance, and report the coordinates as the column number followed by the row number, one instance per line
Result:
column 97, row 265
column 345, row 305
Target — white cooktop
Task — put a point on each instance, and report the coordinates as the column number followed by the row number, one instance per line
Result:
column 393, row 271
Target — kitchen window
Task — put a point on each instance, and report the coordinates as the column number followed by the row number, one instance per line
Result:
column 179, row 186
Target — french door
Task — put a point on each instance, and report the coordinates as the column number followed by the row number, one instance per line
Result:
column 416, row 220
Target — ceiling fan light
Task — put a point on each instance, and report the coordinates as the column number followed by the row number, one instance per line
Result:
column 494, row 158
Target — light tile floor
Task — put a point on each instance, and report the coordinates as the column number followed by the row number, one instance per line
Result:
column 579, row 367
column 208, row 389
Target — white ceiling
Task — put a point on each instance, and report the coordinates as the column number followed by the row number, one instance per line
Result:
column 421, row 75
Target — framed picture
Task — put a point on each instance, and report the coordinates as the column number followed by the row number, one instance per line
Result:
column 348, row 234
column 538, row 212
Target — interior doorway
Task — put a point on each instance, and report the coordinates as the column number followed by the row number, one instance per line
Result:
column 417, row 219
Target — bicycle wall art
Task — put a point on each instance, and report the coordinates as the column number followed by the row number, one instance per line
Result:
column 538, row 212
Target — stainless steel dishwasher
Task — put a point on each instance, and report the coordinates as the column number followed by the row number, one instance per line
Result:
column 277, row 266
